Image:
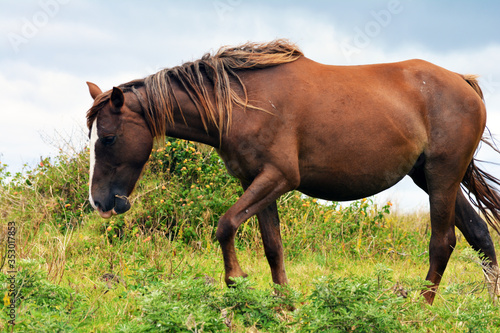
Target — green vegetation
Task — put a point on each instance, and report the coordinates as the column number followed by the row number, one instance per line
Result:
column 158, row 268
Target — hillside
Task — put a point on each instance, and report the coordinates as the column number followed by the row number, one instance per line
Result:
column 355, row 268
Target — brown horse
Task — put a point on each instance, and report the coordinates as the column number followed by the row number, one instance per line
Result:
column 283, row 122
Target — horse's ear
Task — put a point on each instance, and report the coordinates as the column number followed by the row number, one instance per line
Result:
column 94, row 90
column 117, row 98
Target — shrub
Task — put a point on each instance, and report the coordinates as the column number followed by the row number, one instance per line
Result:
column 183, row 305
column 41, row 305
column 351, row 305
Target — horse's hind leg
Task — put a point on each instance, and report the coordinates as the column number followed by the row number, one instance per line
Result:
column 475, row 231
column 442, row 243
column 442, row 198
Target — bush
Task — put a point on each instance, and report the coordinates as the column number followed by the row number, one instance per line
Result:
column 55, row 191
column 41, row 305
column 184, row 305
column 185, row 188
column 351, row 305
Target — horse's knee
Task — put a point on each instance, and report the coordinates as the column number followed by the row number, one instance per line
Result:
column 225, row 230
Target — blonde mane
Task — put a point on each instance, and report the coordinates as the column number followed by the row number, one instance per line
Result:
column 207, row 82
column 215, row 105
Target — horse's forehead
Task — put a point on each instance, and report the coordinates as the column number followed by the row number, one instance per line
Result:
column 105, row 121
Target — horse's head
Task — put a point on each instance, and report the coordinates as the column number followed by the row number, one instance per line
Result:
column 120, row 144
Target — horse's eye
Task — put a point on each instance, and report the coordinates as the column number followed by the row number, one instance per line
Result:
column 108, row 140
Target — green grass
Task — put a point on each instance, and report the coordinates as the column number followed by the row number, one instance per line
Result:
column 158, row 268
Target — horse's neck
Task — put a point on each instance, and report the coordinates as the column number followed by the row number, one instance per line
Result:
column 193, row 131
column 188, row 124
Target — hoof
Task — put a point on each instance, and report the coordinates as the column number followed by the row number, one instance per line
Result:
column 429, row 294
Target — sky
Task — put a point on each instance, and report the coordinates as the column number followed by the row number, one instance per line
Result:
column 50, row 48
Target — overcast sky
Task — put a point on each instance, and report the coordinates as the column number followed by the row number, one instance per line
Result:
column 49, row 48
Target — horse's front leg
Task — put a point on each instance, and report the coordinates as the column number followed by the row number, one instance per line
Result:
column 273, row 247
column 268, row 186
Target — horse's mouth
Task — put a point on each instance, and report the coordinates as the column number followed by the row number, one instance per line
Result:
column 108, row 214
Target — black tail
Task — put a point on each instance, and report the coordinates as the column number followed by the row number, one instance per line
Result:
column 478, row 182
column 485, row 197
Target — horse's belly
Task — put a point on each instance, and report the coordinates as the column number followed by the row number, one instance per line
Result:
column 352, row 183
column 341, row 191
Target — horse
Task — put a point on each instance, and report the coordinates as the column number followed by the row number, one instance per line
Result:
column 282, row 122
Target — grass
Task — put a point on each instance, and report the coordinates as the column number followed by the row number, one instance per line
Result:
column 158, row 268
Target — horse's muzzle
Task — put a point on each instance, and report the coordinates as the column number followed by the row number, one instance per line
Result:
column 121, row 205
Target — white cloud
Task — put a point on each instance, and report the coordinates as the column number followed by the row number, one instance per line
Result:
column 34, row 104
